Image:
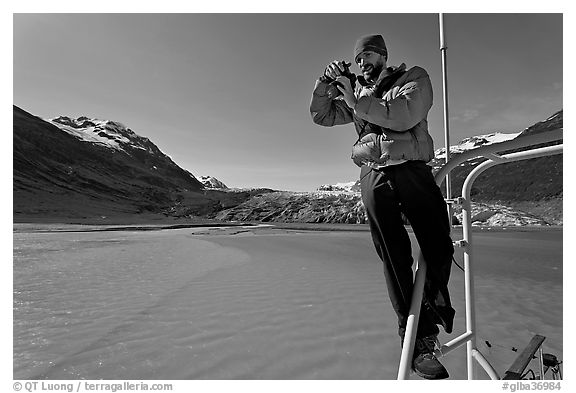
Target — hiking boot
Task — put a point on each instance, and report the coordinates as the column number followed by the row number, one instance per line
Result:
column 425, row 363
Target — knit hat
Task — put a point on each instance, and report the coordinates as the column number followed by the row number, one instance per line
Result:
column 374, row 43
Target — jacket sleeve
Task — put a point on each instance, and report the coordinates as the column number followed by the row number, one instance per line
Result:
column 409, row 106
column 326, row 111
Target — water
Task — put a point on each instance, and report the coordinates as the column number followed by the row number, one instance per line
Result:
column 253, row 304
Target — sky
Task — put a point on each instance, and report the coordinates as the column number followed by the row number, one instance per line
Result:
column 227, row 95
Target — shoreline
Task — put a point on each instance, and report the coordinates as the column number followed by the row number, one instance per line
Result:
column 41, row 227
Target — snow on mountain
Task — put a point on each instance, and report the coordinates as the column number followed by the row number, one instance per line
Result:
column 474, row 142
column 212, row 182
column 342, row 187
column 556, row 116
column 111, row 134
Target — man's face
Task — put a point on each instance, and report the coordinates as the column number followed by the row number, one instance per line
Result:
column 371, row 64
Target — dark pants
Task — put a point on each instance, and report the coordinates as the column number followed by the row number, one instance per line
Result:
column 409, row 188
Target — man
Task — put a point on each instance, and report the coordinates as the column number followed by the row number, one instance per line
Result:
column 389, row 109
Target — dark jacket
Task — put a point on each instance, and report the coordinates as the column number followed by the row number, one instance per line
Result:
column 390, row 116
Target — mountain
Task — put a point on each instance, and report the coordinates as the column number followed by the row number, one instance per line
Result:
column 552, row 123
column 533, row 180
column 89, row 168
column 68, row 169
column 534, row 186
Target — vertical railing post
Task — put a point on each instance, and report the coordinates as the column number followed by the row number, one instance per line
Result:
column 412, row 321
column 443, row 48
column 468, row 281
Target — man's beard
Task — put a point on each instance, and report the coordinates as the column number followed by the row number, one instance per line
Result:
column 373, row 71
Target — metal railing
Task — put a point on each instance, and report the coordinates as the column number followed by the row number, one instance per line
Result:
column 469, row 337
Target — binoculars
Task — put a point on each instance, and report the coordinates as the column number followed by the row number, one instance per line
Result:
column 333, row 90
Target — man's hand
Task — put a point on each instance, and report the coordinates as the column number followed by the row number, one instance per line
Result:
column 343, row 84
column 334, row 69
